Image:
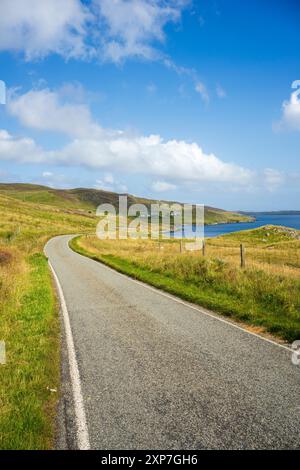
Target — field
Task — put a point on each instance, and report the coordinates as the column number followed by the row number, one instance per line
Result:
column 275, row 250
column 29, row 322
column 265, row 294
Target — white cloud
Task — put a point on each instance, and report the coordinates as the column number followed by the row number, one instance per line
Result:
column 38, row 28
column 178, row 161
column 109, row 178
column 201, row 89
column 171, row 163
column 103, row 30
column 54, row 180
column 46, row 110
column 2, row 92
column 189, row 72
column 133, row 25
column 109, row 183
column 151, row 155
column 21, row 149
column 161, row 186
column 273, row 179
column 290, row 111
column 107, row 29
column 221, row 93
column 151, row 88
column 111, row 150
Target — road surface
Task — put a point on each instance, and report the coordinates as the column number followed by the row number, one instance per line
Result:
column 156, row 373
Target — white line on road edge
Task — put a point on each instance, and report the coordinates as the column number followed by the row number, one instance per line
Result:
column 186, row 304
column 81, row 423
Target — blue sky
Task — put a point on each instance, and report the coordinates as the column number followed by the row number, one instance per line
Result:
column 174, row 99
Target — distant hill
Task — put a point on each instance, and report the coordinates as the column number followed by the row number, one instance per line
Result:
column 86, row 200
column 265, row 236
column 286, row 212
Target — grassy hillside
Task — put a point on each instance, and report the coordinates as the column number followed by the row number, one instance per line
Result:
column 274, row 249
column 29, row 322
column 268, row 235
column 265, row 294
column 88, row 199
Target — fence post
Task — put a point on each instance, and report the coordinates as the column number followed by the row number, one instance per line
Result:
column 203, row 247
column 242, row 251
column 181, row 247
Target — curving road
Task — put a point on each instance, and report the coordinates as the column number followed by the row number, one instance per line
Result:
column 156, row 373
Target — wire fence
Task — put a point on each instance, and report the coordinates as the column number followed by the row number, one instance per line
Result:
column 281, row 259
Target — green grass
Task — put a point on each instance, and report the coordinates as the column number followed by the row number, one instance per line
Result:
column 253, row 296
column 29, row 320
column 30, row 328
column 48, row 198
column 268, row 234
column 274, row 249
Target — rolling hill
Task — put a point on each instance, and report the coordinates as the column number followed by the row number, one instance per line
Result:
column 86, row 200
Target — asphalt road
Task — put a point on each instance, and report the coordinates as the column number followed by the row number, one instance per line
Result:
column 157, row 374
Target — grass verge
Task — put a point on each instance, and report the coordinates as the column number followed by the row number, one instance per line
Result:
column 29, row 324
column 30, row 328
